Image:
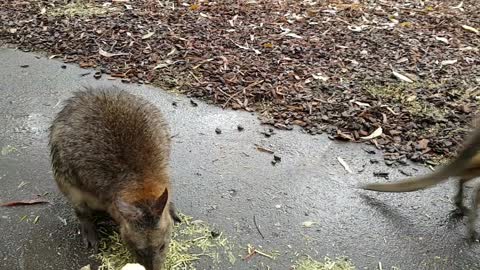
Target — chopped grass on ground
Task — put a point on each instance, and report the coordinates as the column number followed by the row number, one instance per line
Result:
column 191, row 240
column 77, row 9
column 402, row 93
column 307, row 263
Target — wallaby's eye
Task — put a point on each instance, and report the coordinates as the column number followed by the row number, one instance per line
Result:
column 162, row 247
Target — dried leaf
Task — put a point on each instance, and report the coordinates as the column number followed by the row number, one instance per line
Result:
column 148, row 35
column 448, row 62
column 468, row 48
column 293, row 35
column 345, row 165
column 159, row 66
column 442, row 39
column 268, row 45
column 320, row 76
column 361, row 104
column 194, row 7
column 343, row 135
column 24, row 202
column 247, row 48
column 12, row 30
column 402, row 77
column 459, row 6
column 108, row 55
column 172, row 51
column 471, row 29
column 355, row 28
column 378, row 132
column 43, row 10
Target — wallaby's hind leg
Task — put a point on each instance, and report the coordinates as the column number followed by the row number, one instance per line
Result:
column 83, row 212
column 88, row 228
column 472, row 217
column 458, row 199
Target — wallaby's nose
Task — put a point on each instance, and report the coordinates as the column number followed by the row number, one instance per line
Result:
column 147, row 263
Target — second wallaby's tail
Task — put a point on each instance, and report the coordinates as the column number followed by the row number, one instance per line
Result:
column 410, row 184
column 454, row 168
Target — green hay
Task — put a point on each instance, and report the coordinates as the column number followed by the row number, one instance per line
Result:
column 191, row 240
column 307, row 263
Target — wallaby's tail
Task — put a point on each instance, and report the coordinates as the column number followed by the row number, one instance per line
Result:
column 410, row 184
column 454, row 168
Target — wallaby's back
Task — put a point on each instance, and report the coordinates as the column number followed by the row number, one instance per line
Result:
column 105, row 139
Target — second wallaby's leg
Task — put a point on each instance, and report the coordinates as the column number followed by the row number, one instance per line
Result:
column 88, row 228
column 458, row 199
column 472, row 217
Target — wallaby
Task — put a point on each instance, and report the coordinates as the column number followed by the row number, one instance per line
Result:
column 110, row 152
column 466, row 166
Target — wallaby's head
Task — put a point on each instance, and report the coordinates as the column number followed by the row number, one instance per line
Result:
column 146, row 226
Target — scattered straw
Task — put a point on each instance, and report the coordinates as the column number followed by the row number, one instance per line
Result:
column 191, row 240
column 194, row 241
column 307, row 263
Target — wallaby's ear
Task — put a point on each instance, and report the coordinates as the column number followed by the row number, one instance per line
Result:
column 160, row 203
column 128, row 210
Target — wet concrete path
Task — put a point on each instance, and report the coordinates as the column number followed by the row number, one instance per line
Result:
column 224, row 180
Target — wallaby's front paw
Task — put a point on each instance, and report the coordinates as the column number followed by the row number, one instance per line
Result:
column 89, row 235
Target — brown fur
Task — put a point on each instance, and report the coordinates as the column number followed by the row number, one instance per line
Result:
column 110, row 152
column 146, row 190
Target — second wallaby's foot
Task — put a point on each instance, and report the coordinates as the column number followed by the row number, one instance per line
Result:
column 472, row 237
column 461, row 210
column 457, row 215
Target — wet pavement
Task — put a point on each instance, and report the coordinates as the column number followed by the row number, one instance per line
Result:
column 225, row 180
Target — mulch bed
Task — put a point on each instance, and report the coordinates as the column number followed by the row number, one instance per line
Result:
column 345, row 68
